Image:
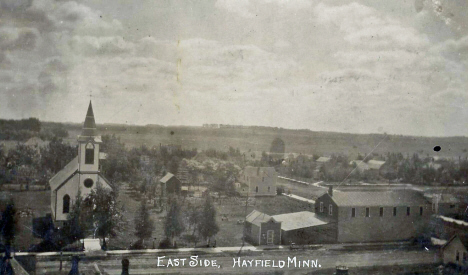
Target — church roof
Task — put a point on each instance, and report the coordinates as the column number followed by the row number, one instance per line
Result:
column 68, row 171
column 89, row 126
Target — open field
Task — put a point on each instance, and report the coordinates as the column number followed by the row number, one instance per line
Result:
column 234, row 209
column 29, row 204
column 297, row 141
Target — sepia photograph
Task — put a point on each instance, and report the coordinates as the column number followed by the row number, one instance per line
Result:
column 286, row 137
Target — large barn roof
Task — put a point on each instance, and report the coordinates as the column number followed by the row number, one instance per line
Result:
column 372, row 198
column 297, row 220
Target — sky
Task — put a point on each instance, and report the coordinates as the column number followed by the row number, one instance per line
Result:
column 363, row 66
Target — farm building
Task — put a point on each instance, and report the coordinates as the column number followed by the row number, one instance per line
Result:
column 262, row 229
column 257, row 181
column 81, row 175
column 445, row 204
column 366, row 216
column 305, row 228
column 456, row 251
column 170, row 184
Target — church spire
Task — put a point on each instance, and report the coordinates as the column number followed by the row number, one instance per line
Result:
column 89, row 126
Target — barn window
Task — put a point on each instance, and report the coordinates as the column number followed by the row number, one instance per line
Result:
column 89, row 154
column 268, row 188
column 321, row 206
column 330, row 209
column 66, row 204
column 408, row 211
column 88, row 183
column 367, row 212
column 256, row 189
column 381, row 211
column 394, row 211
column 353, row 212
column 421, row 211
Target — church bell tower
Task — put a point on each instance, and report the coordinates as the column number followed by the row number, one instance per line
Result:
column 88, row 145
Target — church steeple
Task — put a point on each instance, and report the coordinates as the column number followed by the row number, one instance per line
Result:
column 89, row 126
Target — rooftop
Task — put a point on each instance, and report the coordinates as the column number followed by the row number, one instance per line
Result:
column 297, row 220
column 257, row 218
column 379, row 198
column 259, row 171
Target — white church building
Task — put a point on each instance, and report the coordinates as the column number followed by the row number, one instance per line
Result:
column 81, row 174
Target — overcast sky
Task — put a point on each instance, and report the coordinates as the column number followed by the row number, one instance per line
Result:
column 365, row 66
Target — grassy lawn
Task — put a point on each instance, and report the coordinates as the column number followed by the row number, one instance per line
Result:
column 29, row 204
column 230, row 232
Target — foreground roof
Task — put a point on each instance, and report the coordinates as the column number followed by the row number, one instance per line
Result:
column 297, row 220
column 378, row 198
column 257, row 218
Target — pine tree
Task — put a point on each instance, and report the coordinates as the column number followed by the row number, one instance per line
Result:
column 144, row 226
column 207, row 224
column 173, row 225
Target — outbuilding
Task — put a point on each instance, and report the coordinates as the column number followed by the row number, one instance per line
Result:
column 262, row 229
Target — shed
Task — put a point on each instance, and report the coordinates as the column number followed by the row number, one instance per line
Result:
column 456, row 250
column 170, row 184
column 262, row 229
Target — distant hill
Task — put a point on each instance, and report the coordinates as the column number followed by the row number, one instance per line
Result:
column 296, row 141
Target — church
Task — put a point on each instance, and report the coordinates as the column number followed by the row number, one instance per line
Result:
column 81, row 174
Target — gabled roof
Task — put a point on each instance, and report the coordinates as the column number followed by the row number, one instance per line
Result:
column 167, row 177
column 297, row 220
column 375, row 164
column 259, row 171
column 463, row 239
column 374, row 198
column 64, row 174
column 323, row 159
column 257, row 218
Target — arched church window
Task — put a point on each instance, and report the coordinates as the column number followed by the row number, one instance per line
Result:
column 66, row 204
column 88, row 183
column 89, row 154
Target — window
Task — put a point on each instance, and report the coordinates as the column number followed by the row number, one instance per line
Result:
column 263, row 178
column 353, row 212
column 367, row 212
column 330, row 209
column 408, row 211
column 464, row 256
column 66, row 204
column 268, row 188
column 321, row 206
column 89, row 154
column 88, row 183
column 457, row 256
column 420, row 211
column 256, row 189
column 381, row 211
column 452, row 206
column 394, row 211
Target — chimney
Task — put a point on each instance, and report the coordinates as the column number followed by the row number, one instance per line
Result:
column 330, row 190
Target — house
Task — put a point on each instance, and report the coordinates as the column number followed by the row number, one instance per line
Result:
column 170, row 184
column 81, row 175
column 370, row 216
column 262, row 229
column 455, row 251
column 257, row 181
column 372, row 166
column 36, row 142
column 305, row 228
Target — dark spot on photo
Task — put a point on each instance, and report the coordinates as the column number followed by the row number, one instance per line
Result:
column 437, row 148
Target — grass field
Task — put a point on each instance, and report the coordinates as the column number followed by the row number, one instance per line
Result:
column 29, row 204
column 230, row 232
